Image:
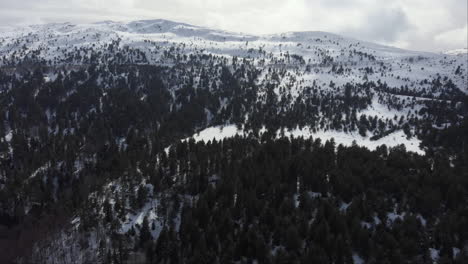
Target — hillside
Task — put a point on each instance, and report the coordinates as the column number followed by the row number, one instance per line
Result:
column 161, row 142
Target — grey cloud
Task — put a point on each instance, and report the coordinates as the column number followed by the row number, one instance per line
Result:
column 382, row 25
column 409, row 24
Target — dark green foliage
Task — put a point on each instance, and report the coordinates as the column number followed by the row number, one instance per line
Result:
column 274, row 200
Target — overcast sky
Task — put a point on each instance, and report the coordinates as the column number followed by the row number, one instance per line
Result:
column 431, row 25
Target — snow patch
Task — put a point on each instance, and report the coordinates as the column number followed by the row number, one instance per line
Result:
column 434, row 253
column 357, row 259
column 217, row 133
column 393, row 216
column 422, row 220
column 340, row 137
column 344, row 206
column 347, row 139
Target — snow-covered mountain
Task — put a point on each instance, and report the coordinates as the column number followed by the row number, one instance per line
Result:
column 105, row 118
column 456, row 51
column 306, row 58
column 396, row 67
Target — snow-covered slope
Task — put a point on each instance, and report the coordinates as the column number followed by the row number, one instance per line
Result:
column 95, row 104
column 303, row 59
column 457, row 52
column 394, row 66
column 346, row 139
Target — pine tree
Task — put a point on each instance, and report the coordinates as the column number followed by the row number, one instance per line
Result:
column 108, row 211
column 145, row 233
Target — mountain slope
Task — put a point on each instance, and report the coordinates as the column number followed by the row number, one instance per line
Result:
column 304, row 59
column 106, row 129
column 153, row 37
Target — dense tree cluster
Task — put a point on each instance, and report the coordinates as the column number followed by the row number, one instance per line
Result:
column 62, row 139
column 286, row 200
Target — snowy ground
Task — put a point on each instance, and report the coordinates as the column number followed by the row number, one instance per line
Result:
column 347, row 139
column 396, row 67
column 217, row 133
column 340, row 137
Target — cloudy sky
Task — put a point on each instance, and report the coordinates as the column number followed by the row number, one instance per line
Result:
column 431, row 25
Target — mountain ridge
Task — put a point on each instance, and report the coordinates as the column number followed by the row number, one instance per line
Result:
column 314, row 33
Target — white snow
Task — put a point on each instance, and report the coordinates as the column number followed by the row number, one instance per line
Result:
column 75, row 221
column 149, row 210
column 366, row 225
column 217, row 133
column 357, row 259
column 434, row 253
column 456, row 51
column 347, row 139
column 340, row 137
column 296, row 200
column 421, row 219
column 38, row 170
column 344, row 206
column 407, row 67
column 393, row 216
column 377, row 220
column 381, row 110
column 314, row 194
column 9, row 136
